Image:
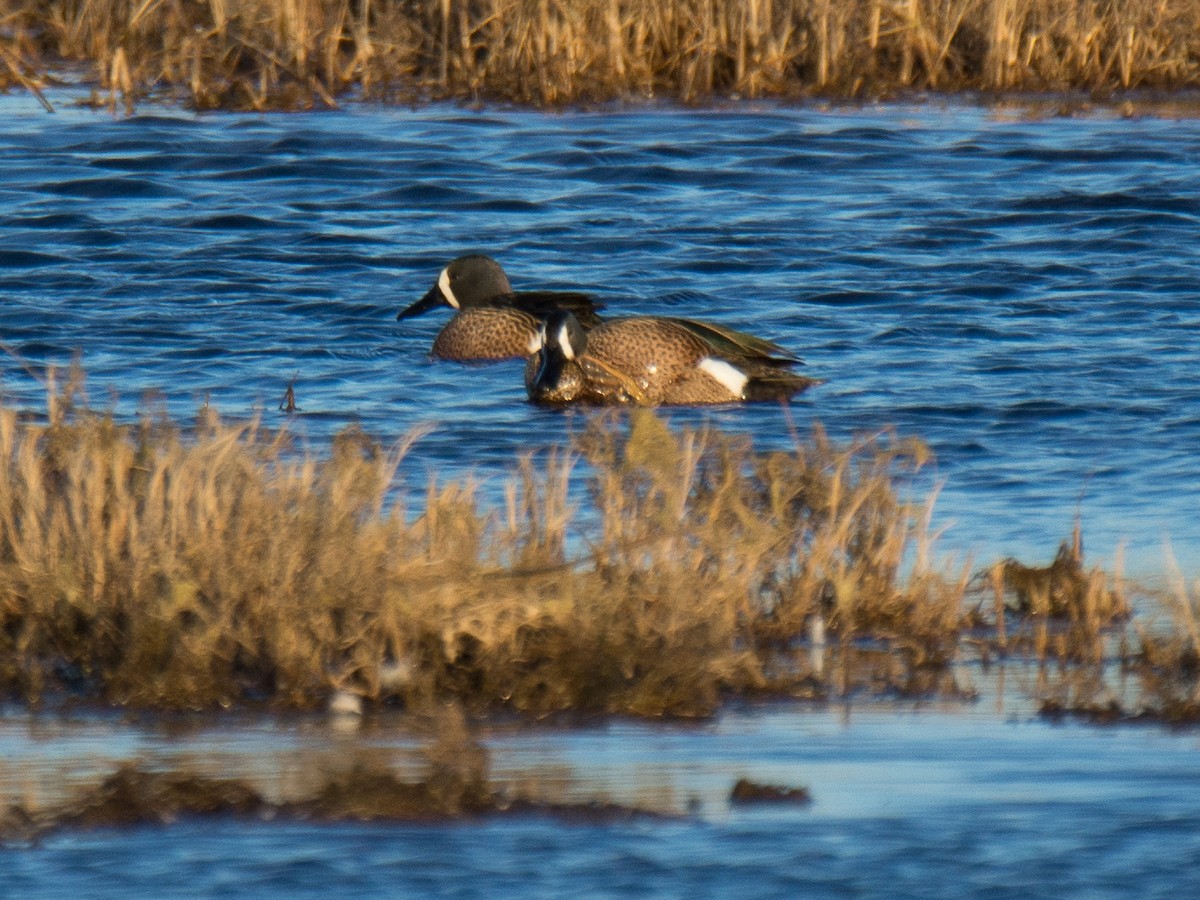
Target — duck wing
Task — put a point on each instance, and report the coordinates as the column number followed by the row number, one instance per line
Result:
column 738, row 344
column 541, row 303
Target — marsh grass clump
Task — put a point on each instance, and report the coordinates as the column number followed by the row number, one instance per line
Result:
column 784, row 537
column 151, row 565
column 298, row 53
column 641, row 569
column 1063, row 609
column 1168, row 666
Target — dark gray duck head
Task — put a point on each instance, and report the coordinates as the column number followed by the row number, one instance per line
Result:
column 468, row 281
column 556, row 376
column 476, row 280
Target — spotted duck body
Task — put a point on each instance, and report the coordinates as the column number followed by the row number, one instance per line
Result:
column 491, row 320
column 652, row 361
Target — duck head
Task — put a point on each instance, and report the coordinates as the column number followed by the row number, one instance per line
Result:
column 555, row 375
column 468, row 281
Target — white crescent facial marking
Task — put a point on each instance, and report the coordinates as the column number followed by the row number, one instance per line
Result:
column 564, row 341
column 444, row 287
column 726, row 375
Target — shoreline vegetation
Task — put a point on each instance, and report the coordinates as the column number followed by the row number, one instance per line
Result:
column 642, row 570
column 297, row 54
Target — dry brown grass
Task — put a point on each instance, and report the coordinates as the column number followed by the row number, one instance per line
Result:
column 290, row 53
column 142, row 565
column 643, row 569
column 1094, row 658
column 1063, row 610
column 1169, row 656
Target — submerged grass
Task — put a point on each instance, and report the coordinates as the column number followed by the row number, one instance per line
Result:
column 141, row 565
column 294, row 53
column 453, row 783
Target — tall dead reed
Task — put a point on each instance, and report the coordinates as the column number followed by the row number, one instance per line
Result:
column 288, row 53
column 1169, row 664
column 159, row 566
column 1062, row 610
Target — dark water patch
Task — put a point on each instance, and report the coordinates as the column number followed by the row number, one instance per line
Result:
column 1040, row 411
column 28, row 259
column 283, row 171
column 949, row 411
column 853, row 135
column 50, row 281
column 724, row 264
column 481, row 120
column 642, row 177
column 675, row 151
column 347, row 238
column 95, row 237
column 901, row 334
column 219, row 161
column 35, row 349
column 1116, row 200
column 991, row 334
column 506, row 206
column 295, row 145
column 1145, row 152
column 73, row 221
column 426, row 193
column 990, row 291
column 108, row 188
column 156, row 162
column 232, row 222
column 849, row 298
column 159, row 123
column 99, row 143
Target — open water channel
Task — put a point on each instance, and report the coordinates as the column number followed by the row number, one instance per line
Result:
column 1019, row 292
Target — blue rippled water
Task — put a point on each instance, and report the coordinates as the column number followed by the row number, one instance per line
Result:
column 1021, row 294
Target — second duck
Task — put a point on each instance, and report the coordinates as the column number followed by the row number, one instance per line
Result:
column 651, row 361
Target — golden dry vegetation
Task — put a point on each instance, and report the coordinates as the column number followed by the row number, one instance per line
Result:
column 299, row 53
column 143, row 565
column 642, row 569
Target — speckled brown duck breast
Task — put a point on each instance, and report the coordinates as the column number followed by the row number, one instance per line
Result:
column 492, row 321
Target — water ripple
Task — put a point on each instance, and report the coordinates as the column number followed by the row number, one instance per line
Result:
column 1022, row 294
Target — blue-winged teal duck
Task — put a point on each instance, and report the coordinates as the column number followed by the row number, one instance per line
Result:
column 651, row 361
column 492, row 321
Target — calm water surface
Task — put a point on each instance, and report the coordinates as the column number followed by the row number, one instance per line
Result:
column 935, row 803
column 1021, row 294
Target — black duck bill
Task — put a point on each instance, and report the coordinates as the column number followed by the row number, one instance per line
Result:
column 426, row 303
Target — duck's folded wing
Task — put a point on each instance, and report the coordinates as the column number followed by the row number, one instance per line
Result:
column 729, row 342
column 542, row 303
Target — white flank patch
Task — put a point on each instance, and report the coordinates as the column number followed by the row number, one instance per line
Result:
column 538, row 341
column 444, row 287
column 728, row 376
column 564, row 341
